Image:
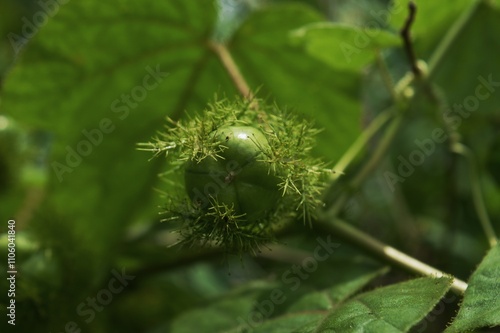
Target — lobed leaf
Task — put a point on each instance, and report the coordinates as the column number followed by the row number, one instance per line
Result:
column 343, row 47
column 481, row 304
column 395, row 308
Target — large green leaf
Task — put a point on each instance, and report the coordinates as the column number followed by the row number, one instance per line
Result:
column 343, row 47
column 312, row 307
column 355, row 274
column 280, row 307
column 262, row 49
column 469, row 75
column 395, row 308
column 481, row 304
column 72, row 82
column 225, row 314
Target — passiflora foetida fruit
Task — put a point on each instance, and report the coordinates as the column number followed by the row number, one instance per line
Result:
column 239, row 177
column 245, row 170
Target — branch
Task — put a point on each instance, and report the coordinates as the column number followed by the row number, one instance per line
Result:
column 371, row 164
column 405, row 34
column 450, row 37
column 388, row 253
column 234, row 72
column 386, row 76
column 375, row 125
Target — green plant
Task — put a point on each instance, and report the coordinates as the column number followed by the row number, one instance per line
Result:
column 386, row 222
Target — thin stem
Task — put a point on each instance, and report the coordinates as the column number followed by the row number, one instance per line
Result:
column 438, row 97
column 477, row 196
column 449, row 38
column 232, row 68
column 361, row 142
column 386, row 76
column 408, row 45
column 379, row 152
column 371, row 164
column 387, row 252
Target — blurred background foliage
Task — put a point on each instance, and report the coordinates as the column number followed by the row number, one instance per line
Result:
column 103, row 215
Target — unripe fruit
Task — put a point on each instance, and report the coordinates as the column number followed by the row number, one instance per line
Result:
column 242, row 183
column 238, row 177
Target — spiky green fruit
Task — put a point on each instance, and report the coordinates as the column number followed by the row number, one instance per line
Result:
column 238, row 177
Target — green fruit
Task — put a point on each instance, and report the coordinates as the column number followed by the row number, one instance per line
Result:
column 238, row 178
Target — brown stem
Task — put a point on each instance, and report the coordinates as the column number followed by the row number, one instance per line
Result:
column 228, row 62
column 405, row 34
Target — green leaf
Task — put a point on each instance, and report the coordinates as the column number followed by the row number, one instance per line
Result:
column 481, row 304
column 283, row 306
column 472, row 90
column 345, row 283
column 343, row 47
column 469, row 77
column 289, row 322
column 225, row 314
column 395, row 308
column 309, row 309
column 262, row 49
column 98, row 78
